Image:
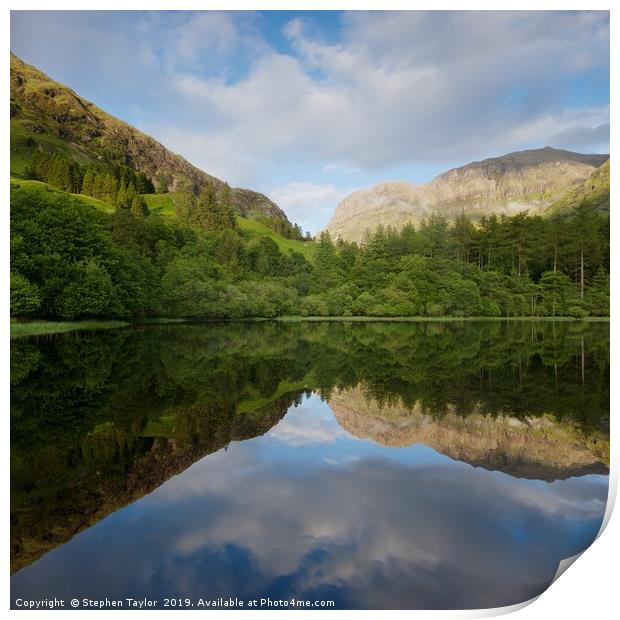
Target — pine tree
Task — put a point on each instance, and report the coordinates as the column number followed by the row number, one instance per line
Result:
column 131, row 194
column 207, row 208
column 39, row 166
column 121, row 196
column 226, row 211
column 111, row 188
column 162, row 184
column 139, row 208
column 88, row 183
column 185, row 203
column 76, row 178
column 584, row 242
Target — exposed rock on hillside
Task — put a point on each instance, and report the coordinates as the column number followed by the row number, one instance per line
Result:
column 540, row 448
column 49, row 115
column 527, row 180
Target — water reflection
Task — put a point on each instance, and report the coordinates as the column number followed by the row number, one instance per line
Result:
column 392, row 491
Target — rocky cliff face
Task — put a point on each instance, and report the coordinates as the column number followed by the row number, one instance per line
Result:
column 540, row 448
column 49, row 115
column 528, row 180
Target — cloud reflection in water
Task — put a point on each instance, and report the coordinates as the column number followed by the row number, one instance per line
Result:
column 307, row 510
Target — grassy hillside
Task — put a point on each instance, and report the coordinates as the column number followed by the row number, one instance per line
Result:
column 161, row 204
column 48, row 117
column 164, row 205
column 87, row 200
column 251, row 229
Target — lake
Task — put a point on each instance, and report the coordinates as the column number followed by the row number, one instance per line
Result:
column 373, row 465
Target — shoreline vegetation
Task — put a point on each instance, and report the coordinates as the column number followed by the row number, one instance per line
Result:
column 23, row 329
column 43, row 328
column 71, row 262
column 114, row 227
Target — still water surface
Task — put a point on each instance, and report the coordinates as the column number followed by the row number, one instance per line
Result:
column 431, row 465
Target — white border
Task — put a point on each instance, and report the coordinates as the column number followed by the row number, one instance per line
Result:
column 589, row 588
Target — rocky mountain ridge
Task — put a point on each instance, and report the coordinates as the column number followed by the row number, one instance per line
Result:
column 50, row 116
column 536, row 447
column 526, row 180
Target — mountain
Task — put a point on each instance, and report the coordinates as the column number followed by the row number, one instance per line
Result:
column 526, row 180
column 49, row 116
column 594, row 192
column 91, row 492
column 536, row 447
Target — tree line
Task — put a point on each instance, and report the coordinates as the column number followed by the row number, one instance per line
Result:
column 102, row 182
column 70, row 261
column 119, row 184
column 517, row 265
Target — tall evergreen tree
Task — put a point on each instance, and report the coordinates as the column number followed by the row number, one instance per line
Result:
column 139, row 207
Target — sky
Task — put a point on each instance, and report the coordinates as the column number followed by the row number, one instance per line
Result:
column 307, row 107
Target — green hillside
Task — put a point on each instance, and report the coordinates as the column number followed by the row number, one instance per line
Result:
column 87, row 200
column 161, row 204
column 73, row 135
column 164, row 205
column 251, row 229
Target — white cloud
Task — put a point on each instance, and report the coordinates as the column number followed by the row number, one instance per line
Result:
column 309, row 204
column 340, row 167
column 409, row 86
column 392, row 88
column 307, row 426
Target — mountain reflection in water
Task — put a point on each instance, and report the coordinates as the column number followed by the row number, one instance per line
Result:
column 432, row 465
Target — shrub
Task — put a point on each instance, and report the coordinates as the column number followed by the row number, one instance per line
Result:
column 25, row 299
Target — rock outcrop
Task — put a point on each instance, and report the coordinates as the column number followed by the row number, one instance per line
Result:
column 527, row 180
column 535, row 447
column 49, row 115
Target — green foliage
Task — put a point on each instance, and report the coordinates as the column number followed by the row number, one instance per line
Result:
column 207, row 263
column 162, row 184
column 89, row 294
column 25, row 299
column 139, row 207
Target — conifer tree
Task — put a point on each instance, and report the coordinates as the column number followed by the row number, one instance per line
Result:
column 139, row 208
column 207, row 208
column 131, row 194
column 88, row 183
column 111, row 188
column 162, row 184
column 121, row 196
column 185, row 203
column 226, row 211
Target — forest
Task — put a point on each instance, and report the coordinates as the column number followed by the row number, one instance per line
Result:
column 71, row 261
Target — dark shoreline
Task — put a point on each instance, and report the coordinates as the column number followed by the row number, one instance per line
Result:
column 24, row 329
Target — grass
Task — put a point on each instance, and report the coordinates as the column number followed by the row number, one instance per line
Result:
column 165, row 205
column 87, row 200
column 251, row 229
column 425, row 319
column 41, row 328
column 24, row 142
column 161, row 204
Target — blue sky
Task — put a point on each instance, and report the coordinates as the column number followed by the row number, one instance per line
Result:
column 309, row 106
